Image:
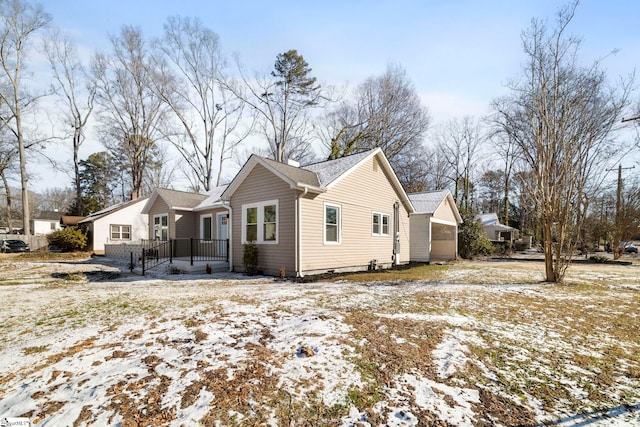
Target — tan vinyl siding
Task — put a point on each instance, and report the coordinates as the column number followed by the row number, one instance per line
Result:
column 445, row 212
column 261, row 185
column 159, row 207
column 363, row 191
column 420, row 240
column 186, row 224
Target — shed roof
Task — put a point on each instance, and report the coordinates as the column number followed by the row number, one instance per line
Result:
column 49, row 216
column 428, row 202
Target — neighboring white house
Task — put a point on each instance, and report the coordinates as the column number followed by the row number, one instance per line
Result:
column 494, row 230
column 121, row 223
column 434, row 226
column 46, row 222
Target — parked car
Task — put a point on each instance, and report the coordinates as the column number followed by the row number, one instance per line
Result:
column 629, row 247
column 12, row 245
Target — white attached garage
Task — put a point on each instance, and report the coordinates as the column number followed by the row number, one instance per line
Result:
column 434, row 227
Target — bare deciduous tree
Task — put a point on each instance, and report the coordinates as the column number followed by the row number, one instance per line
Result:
column 19, row 22
column 77, row 92
column 130, row 111
column 386, row 112
column 560, row 116
column 436, row 169
column 8, row 155
column 54, row 199
column 161, row 170
column 460, row 143
column 210, row 118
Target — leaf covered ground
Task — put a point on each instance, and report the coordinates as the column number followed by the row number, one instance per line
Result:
column 469, row 344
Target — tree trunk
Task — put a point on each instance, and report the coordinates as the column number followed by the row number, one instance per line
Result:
column 547, row 240
column 26, row 214
column 506, row 200
column 76, row 166
column 8, row 191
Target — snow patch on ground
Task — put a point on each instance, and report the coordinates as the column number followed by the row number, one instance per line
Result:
column 77, row 345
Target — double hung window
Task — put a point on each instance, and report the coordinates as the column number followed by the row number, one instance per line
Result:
column 379, row 224
column 120, row 232
column 332, row 223
column 260, row 222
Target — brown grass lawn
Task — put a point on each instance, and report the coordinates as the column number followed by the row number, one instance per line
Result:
column 471, row 343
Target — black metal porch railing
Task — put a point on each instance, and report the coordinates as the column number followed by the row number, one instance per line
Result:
column 155, row 252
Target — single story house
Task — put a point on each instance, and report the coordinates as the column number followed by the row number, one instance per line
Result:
column 120, row 223
column 338, row 215
column 434, row 226
column 345, row 214
column 46, row 222
column 494, row 230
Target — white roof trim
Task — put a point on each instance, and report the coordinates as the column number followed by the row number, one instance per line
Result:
column 443, row 221
column 216, row 205
column 248, row 167
column 352, row 168
column 150, row 201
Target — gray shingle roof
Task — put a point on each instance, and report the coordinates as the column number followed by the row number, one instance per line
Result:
column 49, row 215
column 180, row 199
column 296, row 174
column 427, row 202
column 330, row 170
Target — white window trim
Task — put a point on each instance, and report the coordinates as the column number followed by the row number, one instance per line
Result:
column 324, row 223
column 202, row 237
column 154, row 225
column 119, row 231
column 381, row 215
column 260, row 207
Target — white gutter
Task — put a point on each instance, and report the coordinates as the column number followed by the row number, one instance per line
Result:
column 298, row 231
column 308, row 187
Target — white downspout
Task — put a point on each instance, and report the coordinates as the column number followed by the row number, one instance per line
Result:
column 230, row 234
column 298, row 238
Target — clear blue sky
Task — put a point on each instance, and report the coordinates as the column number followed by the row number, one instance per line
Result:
column 458, row 53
